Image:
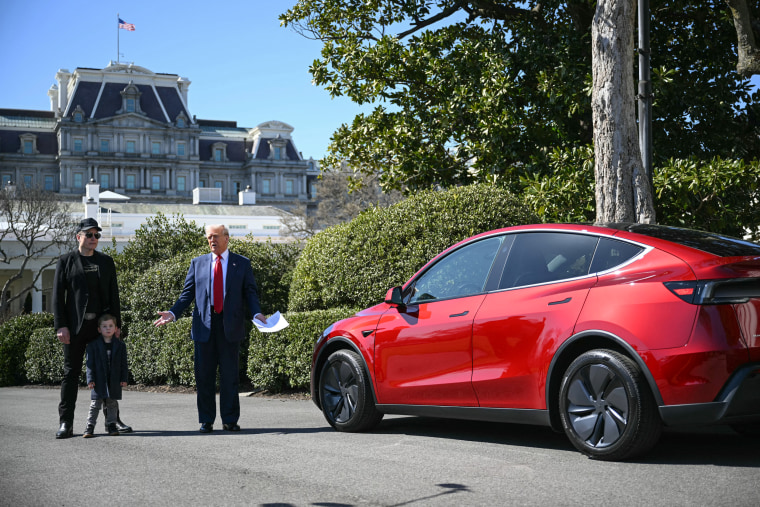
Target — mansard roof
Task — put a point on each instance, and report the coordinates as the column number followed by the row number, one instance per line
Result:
column 103, row 100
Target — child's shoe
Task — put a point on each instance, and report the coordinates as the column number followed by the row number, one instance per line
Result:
column 112, row 430
column 89, row 431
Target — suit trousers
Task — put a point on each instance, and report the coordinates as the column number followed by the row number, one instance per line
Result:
column 217, row 353
column 73, row 356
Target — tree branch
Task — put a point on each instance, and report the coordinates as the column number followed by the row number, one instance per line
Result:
column 749, row 56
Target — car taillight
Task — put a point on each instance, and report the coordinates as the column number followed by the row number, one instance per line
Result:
column 716, row 292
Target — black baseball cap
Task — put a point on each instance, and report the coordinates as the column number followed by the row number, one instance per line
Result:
column 87, row 224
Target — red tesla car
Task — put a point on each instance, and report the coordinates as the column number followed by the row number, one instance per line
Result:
column 605, row 332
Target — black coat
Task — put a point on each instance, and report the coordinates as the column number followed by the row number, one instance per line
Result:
column 70, row 292
column 97, row 368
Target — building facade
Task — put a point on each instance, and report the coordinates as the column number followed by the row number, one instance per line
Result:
column 131, row 130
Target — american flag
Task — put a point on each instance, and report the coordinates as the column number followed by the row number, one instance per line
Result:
column 126, row 26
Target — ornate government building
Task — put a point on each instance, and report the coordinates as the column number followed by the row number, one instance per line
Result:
column 131, row 131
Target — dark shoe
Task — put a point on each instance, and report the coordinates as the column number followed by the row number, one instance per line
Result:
column 231, row 427
column 206, row 428
column 123, row 428
column 65, row 431
column 89, row 431
column 112, row 430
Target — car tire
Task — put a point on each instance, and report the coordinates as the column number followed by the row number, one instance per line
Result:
column 606, row 407
column 345, row 393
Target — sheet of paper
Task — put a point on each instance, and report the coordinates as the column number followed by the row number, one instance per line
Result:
column 275, row 322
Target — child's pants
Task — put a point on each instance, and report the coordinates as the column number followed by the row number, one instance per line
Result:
column 110, row 409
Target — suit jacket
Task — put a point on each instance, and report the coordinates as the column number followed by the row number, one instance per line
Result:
column 70, row 292
column 106, row 386
column 239, row 296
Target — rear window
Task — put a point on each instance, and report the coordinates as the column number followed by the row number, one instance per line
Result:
column 710, row 242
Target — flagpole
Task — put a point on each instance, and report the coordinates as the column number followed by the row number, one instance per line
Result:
column 117, row 38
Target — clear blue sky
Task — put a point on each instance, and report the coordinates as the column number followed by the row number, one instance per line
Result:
column 242, row 64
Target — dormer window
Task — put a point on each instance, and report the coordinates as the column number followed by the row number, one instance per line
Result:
column 278, row 148
column 28, row 144
column 78, row 114
column 130, row 99
column 219, row 152
column 181, row 121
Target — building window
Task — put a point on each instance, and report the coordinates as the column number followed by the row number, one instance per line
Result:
column 272, row 227
column 27, row 180
column 78, row 117
column 49, row 183
column 237, row 186
column 6, row 179
column 180, row 122
column 181, row 183
column 238, row 227
column 130, row 146
column 156, row 182
column 313, row 187
column 289, row 184
column 105, row 180
column 130, row 181
column 218, row 184
column 266, row 186
column 201, row 183
column 130, row 105
column 28, row 144
column 78, row 180
column 277, row 153
column 78, row 144
column 181, row 149
column 105, row 145
column 219, row 152
column 155, row 148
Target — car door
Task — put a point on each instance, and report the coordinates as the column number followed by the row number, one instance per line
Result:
column 423, row 349
column 518, row 327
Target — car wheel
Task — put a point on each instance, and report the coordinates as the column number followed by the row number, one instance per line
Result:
column 346, row 394
column 606, row 408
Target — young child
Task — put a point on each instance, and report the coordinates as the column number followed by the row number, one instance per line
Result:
column 107, row 373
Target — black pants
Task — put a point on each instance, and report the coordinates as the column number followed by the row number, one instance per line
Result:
column 73, row 356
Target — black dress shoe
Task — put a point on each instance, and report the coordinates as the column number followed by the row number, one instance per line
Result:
column 231, row 427
column 206, row 428
column 123, row 428
column 65, row 431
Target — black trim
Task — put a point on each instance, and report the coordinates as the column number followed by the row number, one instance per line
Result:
column 501, row 415
column 738, row 401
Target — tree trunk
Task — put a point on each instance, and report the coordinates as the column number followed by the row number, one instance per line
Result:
column 623, row 192
column 749, row 56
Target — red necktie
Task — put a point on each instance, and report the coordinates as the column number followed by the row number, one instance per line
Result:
column 218, row 286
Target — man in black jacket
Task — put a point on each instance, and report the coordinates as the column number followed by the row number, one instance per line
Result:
column 84, row 288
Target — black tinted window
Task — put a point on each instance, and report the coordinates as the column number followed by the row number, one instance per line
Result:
column 710, row 242
column 540, row 257
column 611, row 253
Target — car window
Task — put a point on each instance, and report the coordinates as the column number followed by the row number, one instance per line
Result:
column 541, row 257
column 463, row 272
column 611, row 253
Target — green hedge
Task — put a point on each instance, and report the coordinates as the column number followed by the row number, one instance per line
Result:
column 14, row 340
column 162, row 355
column 44, row 358
column 354, row 264
column 282, row 360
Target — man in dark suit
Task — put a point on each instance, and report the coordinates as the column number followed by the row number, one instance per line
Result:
column 223, row 287
column 84, row 288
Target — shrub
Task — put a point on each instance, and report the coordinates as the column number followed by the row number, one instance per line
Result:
column 44, row 358
column 283, row 359
column 717, row 195
column 14, row 340
column 354, row 264
column 161, row 355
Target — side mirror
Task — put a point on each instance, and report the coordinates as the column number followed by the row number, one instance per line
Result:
column 393, row 296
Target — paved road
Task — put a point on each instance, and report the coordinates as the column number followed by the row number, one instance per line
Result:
column 286, row 455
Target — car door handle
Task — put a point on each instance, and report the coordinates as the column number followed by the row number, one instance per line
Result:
column 460, row 314
column 566, row 300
